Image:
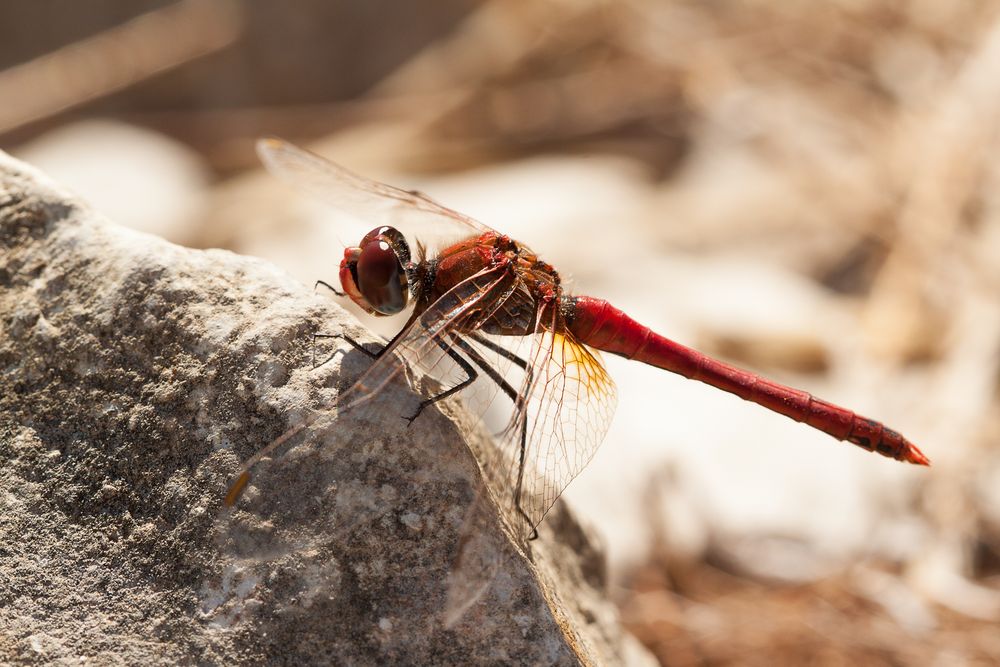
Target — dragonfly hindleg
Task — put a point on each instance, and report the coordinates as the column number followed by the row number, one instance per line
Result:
column 518, row 401
column 466, row 367
column 510, row 356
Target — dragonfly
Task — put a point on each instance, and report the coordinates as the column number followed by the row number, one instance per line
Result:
column 485, row 307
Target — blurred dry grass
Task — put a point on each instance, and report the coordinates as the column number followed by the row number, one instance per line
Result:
column 851, row 143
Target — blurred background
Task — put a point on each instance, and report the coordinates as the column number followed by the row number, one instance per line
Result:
column 810, row 190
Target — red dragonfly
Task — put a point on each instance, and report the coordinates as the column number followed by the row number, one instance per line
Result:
column 485, row 304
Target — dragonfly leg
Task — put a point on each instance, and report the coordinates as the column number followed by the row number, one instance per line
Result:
column 520, row 480
column 518, row 401
column 506, row 354
column 353, row 343
column 489, row 370
column 470, row 373
column 329, row 287
column 510, row 356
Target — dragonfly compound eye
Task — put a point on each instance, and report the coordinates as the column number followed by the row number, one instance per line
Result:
column 381, row 277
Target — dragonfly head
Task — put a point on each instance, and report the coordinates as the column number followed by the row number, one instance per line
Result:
column 374, row 273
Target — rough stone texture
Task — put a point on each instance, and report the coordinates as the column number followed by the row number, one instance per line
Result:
column 136, row 376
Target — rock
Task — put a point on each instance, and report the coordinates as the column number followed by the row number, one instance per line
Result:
column 137, row 376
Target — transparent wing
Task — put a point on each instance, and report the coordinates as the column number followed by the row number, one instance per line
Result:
column 477, row 563
column 547, row 397
column 561, row 406
column 550, row 396
column 350, row 430
column 566, row 400
column 415, row 214
column 423, row 340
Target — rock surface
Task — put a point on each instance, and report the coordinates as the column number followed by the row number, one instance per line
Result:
column 136, row 376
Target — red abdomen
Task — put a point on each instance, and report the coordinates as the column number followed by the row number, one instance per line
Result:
column 598, row 324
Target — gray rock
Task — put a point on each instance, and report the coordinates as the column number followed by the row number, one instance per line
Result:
column 136, row 376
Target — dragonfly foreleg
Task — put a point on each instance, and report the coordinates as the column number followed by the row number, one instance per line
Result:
column 518, row 401
column 329, row 287
column 470, row 373
column 353, row 343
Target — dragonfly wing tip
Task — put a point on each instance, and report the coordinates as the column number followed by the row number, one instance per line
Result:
column 236, row 490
